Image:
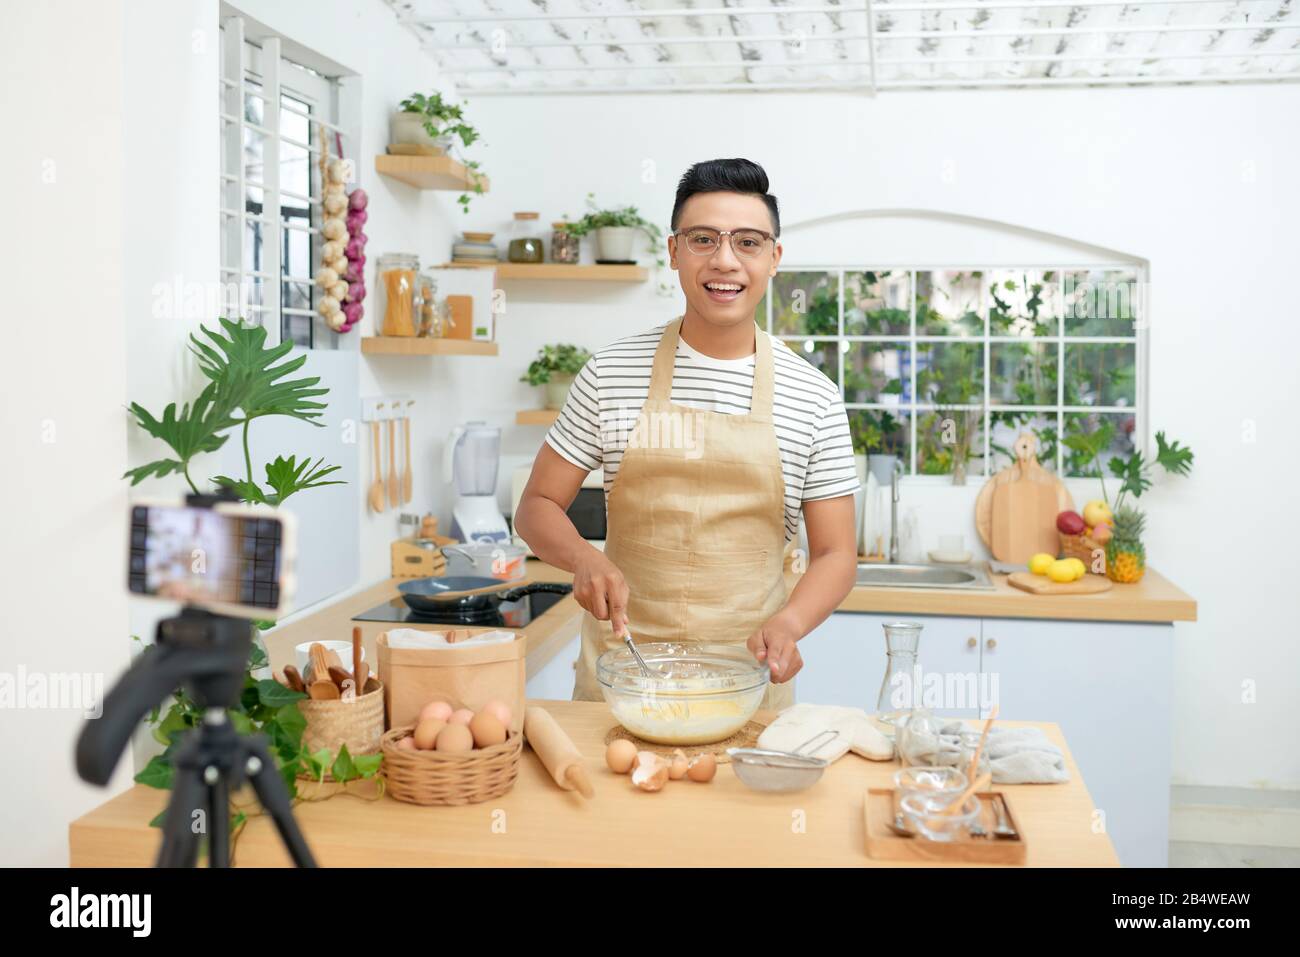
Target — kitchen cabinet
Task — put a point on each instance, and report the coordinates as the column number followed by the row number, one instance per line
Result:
column 1107, row 684
column 555, row 680
column 844, row 661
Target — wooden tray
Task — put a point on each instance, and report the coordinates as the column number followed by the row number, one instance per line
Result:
column 884, row 844
column 1042, row 585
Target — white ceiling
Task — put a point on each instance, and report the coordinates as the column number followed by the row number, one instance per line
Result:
column 575, row 46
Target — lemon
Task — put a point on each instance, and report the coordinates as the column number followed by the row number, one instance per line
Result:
column 1061, row 571
column 1041, row 562
column 1080, row 569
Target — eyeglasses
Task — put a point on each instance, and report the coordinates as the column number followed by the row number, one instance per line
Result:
column 705, row 240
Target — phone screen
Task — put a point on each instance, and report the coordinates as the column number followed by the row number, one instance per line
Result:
column 204, row 556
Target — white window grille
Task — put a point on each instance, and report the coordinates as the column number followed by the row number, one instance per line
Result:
column 924, row 356
column 272, row 113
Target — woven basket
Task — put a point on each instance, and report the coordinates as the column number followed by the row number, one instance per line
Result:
column 358, row 723
column 1083, row 548
column 432, row 777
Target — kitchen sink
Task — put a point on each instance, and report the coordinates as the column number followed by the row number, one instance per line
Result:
column 963, row 577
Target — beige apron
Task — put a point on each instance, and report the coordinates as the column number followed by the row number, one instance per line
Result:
column 696, row 523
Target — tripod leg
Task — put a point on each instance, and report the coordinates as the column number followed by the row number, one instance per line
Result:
column 180, row 845
column 274, row 796
column 219, row 824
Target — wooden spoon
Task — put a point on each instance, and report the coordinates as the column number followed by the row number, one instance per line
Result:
column 377, row 483
column 394, row 491
column 321, row 687
column 356, row 660
column 979, row 750
column 293, row 679
column 363, row 675
column 407, row 478
column 340, row 677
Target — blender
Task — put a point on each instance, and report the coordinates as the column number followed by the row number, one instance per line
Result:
column 470, row 459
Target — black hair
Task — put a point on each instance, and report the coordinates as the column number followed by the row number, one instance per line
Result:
column 726, row 176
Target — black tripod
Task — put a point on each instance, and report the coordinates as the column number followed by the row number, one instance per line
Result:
column 207, row 655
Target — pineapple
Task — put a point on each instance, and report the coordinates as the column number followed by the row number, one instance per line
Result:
column 1126, row 558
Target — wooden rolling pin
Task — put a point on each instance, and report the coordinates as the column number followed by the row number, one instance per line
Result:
column 557, row 752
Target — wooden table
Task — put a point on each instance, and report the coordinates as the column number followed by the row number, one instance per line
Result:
column 537, row 824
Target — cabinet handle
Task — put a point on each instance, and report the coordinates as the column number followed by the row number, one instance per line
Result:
column 971, row 642
column 991, row 644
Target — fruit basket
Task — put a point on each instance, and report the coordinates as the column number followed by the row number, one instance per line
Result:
column 1088, row 550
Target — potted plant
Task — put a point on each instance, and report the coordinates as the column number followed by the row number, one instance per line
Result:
column 431, row 125
column 555, row 368
column 615, row 230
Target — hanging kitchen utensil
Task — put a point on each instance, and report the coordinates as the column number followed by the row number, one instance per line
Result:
column 377, row 481
column 1015, row 512
column 394, row 483
column 407, row 478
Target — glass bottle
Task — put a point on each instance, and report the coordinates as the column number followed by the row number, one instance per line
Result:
column 900, row 691
column 397, row 272
column 525, row 245
column 564, row 245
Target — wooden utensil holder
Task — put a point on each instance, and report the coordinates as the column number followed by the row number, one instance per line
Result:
column 886, row 844
column 411, row 560
column 357, row 723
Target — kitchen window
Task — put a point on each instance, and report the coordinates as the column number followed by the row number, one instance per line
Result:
column 933, row 360
column 273, row 112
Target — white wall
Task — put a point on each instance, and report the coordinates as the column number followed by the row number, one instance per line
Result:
column 1199, row 181
column 63, row 606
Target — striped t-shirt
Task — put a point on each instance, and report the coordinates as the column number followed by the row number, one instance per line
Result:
column 812, row 429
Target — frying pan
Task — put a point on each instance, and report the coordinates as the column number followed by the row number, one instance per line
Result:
column 468, row 593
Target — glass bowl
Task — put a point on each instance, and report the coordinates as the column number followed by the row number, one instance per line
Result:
column 925, row 813
column 935, row 782
column 700, row 692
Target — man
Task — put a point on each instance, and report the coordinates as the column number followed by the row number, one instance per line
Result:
column 713, row 436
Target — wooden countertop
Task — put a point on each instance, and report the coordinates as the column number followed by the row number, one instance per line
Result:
column 537, row 824
column 1153, row 599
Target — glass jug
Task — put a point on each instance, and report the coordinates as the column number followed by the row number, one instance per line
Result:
column 900, row 691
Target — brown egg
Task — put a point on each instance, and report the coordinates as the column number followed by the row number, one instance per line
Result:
column 500, row 709
column 703, row 768
column 620, row 755
column 426, row 733
column 435, row 709
column 677, row 767
column 406, row 744
column 455, row 738
column 461, row 716
column 486, row 730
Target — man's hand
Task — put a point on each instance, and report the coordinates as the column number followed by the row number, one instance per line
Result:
column 599, row 587
column 776, row 642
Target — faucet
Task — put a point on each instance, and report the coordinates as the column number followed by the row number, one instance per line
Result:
column 893, row 511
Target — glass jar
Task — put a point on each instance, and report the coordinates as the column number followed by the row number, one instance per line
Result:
column 397, row 273
column 426, row 302
column 525, row 245
column 900, row 692
column 969, row 744
column 564, row 245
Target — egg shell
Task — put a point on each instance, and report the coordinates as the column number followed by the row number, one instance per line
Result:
column 703, row 768
column 487, row 730
column 461, row 716
column 455, row 739
column 620, row 755
column 427, row 731
column 500, row 709
column 677, row 767
column 436, row 709
column 651, row 771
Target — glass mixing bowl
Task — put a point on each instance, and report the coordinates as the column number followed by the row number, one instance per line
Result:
column 699, row 692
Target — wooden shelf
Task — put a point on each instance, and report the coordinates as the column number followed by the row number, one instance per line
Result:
column 416, row 346
column 428, row 172
column 558, row 271
column 536, row 416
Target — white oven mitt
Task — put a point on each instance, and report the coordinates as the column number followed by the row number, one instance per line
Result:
column 418, row 638
column 800, row 723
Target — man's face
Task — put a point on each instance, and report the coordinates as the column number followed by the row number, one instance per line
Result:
column 723, row 288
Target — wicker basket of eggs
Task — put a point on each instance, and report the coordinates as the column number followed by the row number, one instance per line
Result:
column 452, row 755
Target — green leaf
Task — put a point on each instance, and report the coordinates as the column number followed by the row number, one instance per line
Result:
column 241, row 722
column 247, row 491
column 159, row 818
column 172, row 724
column 368, row 764
column 158, row 773
column 191, row 431
column 288, row 476
column 343, row 769
column 290, row 720
column 256, row 656
column 1172, row 456
column 1131, row 473
column 245, row 370
column 272, row 694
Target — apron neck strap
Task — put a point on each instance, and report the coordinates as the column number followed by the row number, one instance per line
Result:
column 661, row 376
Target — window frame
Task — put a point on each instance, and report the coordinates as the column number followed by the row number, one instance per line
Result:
column 264, row 71
column 913, row 409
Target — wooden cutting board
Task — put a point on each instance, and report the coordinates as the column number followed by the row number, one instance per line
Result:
column 1042, row 585
column 1015, row 512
